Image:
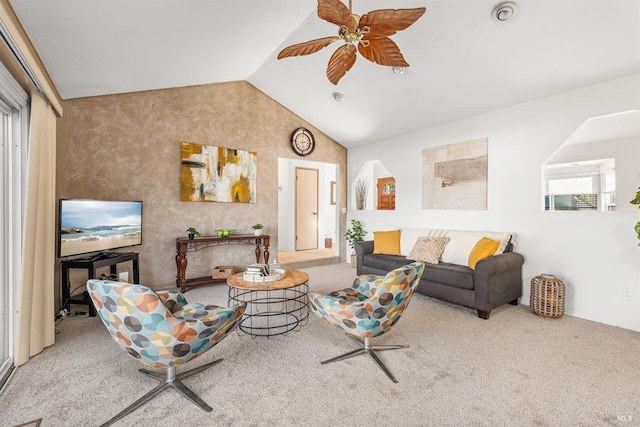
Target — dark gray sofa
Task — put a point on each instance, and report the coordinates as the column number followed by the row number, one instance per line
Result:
column 496, row 280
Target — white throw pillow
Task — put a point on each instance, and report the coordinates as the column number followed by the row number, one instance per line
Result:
column 462, row 243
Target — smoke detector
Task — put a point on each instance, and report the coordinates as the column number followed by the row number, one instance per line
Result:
column 504, row 11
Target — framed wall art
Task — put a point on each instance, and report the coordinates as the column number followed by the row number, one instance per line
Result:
column 217, row 174
column 454, row 176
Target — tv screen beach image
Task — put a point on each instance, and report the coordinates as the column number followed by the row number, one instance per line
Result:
column 98, row 226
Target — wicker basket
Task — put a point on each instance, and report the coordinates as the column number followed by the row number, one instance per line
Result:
column 222, row 271
column 547, row 296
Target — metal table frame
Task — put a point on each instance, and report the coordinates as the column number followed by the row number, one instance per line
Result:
column 273, row 308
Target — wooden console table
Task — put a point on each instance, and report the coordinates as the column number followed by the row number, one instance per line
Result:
column 184, row 245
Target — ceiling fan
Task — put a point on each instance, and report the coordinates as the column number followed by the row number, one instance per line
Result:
column 370, row 33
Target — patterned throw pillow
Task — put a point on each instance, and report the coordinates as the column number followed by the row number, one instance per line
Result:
column 428, row 249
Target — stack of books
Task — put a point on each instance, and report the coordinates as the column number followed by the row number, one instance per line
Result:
column 259, row 270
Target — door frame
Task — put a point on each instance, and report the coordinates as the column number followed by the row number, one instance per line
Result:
column 314, row 208
column 329, row 215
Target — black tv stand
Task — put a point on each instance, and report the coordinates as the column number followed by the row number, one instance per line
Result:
column 107, row 255
column 92, row 264
column 99, row 256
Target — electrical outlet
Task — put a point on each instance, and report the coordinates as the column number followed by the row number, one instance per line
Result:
column 123, row 276
column 198, row 261
column 627, row 294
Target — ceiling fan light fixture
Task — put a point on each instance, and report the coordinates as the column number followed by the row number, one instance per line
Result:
column 367, row 35
column 504, row 11
column 338, row 97
column 398, row 70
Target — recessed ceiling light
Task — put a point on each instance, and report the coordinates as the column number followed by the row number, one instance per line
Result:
column 504, row 11
column 397, row 70
column 338, row 97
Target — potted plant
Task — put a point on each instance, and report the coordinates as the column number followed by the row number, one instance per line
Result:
column 193, row 232
column 355, row 234
column 636, row 201
column 257, row 229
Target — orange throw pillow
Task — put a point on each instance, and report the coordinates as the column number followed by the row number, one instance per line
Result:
column 484, row 248
column 386, row 242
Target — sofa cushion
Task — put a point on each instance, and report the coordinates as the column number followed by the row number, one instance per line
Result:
column 428, row 249
column 384, row 262
column 461, row 244
column 484, row 248
column 458, row 276
column 386, row 242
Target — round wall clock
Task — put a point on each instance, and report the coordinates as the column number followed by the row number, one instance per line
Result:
column 302, row 142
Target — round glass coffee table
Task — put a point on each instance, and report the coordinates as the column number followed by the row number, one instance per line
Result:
column 273, row 308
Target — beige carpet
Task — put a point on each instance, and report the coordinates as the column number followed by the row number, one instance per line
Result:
column 34, row 423
column 285, row 257
column 516, row 369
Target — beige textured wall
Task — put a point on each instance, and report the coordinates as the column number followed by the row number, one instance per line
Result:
column 127, row 147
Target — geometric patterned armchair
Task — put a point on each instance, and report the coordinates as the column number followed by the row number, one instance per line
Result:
column 161, row 330
column 369, row 308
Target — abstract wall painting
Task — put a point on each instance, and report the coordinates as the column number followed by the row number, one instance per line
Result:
column 217, row 174
column 454, row 176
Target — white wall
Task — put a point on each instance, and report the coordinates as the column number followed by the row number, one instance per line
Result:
column 596, row 254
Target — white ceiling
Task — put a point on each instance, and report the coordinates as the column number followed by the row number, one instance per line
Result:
column 463, row 62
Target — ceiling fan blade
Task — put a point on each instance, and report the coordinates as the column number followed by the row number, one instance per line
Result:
column 337, row 13
column 341, row 61
column 307, row 48
column 386, row 22
column 383, row 51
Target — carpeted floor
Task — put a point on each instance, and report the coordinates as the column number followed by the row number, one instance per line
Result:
column 34, row 423
column 515, row 369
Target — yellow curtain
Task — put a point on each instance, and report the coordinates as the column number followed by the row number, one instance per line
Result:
column 36, row 317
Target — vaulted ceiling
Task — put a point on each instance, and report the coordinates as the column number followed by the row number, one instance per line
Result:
column 462, row 62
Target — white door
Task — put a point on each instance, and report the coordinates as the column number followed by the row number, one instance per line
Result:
column 5, row 358
column 6, row 292
column 14, row 112
column 306, row 209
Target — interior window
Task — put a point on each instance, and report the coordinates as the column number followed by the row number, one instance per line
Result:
column 374, row 188
column 593, row 164
column 587, row 186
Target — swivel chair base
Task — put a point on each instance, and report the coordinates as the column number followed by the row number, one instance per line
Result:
column 369, row 349
column 170, row 380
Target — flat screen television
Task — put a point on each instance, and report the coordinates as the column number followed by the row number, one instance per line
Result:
column 95, row 226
